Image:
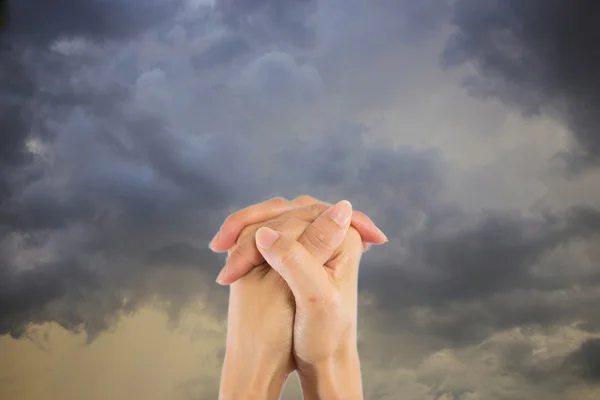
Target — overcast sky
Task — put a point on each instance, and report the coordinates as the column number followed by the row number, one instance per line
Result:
column 469, row 130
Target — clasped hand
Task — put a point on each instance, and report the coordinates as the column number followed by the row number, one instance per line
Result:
column 293, row 273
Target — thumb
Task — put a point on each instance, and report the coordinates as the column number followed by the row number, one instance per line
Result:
column 306, row 278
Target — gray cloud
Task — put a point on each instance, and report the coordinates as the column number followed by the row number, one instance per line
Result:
column 585, row 361
column 476, row 274
column 221, row 52
column 41, row 22
column 268, row 19
column 540, row 56
column 124, row 146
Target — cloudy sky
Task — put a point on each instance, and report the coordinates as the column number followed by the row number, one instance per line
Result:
column 467, row 129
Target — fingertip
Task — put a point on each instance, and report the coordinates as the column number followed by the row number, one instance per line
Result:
column 382, row 237
column 225, row 281
column 265, row 237
column 221, row 277
column 215, row 246
column 377, row 241
column 230, row 273
column 341, row 213
column 219, row 247
column 367, row 228
column 222, row 241
column 214, row 242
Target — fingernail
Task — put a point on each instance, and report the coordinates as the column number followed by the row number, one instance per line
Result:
column 265, row 237
column 214, row 239
column 383, row 234
column 221, row 275
column 341, row 213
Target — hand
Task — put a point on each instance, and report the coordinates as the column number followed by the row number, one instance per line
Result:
column 321, row 269
column 256, row 215
column 258, row 356
column 314, row 377
column 260, row 320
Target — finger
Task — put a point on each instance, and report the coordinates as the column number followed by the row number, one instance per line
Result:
column 307, row 280
column 241, row 260
column 321, row 238
column 305, row 213
column 236, row 222
column 369, row 232
column 256, row 214
column 360, row 218
column 260, row 213
column 245, row 256
column 360, row 221
column 344, row 262
column 327, row 232
column 307, row 200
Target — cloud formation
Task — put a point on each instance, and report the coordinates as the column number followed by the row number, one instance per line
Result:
column 540, row 56
column 131, row 128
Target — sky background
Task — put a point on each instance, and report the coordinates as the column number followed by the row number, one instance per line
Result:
column 469, row 130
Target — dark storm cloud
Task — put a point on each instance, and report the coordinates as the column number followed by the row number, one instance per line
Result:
column 16, row 83
column 132, row 196
column 143, row 154
column 17, row 120
column 40, row 22
column 122, row 159
column 221, row 52
column 108, row 223
column 91, row 197
column 24, row 298
column 475, row 273
column 269, row 19
column 542, row 56
column 585, row 361
column 495, row 253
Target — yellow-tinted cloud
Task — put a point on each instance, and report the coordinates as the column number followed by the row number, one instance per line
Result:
column 140, row 358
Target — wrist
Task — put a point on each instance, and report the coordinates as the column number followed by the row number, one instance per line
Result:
column 251, row 378
column 338, row 378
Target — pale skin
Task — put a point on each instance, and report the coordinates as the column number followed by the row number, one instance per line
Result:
column 252, row 217
column 293, row 304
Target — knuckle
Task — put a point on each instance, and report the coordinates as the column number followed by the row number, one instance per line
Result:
column 318, row 207
column 281, row 225
column 317, row 238
column 302, row 198
column 305, row 199
column 277, row 201
column 307, row 213
column 232, row 219
column 235, row 221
